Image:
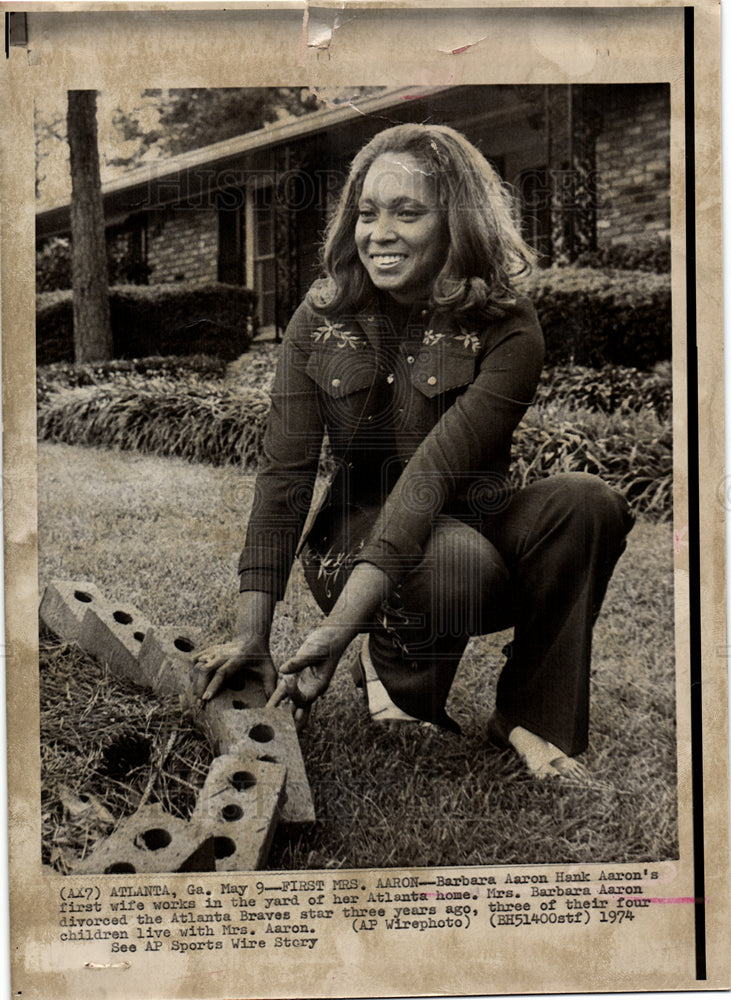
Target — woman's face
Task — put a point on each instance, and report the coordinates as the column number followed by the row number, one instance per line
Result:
column 401, row 232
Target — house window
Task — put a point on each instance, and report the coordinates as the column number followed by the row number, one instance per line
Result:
column 247, row 243
column 261, row 257
column 127, row 252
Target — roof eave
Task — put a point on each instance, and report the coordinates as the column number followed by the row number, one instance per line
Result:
column 49, row 218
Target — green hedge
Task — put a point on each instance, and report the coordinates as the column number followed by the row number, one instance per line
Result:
column 592, row 317
column 138, row 372
column 53, row 264
column 611, row 389
column 633, row 452
column 208, row 422
column 201, row 423
column 182, row 318
column 644, row 255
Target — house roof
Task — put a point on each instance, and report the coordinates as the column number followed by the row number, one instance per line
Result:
column 158, row 182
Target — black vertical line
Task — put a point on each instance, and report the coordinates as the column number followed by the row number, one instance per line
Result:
column 696, row 689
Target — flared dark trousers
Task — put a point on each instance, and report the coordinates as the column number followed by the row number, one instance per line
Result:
column 541, row 565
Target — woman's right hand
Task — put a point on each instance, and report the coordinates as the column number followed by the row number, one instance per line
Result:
column 215, row 666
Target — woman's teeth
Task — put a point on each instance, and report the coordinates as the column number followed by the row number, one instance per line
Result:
column 385, row 260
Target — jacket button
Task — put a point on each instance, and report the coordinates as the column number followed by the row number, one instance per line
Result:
column 432, row 380
column 335, row 382
column 410, row 359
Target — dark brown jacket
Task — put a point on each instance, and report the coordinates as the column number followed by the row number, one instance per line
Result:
column 420, row 421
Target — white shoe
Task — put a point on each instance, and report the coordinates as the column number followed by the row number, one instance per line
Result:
column 380, row 706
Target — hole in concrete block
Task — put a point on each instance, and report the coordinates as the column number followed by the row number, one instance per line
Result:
column 183, row 644
column 232, row 812
column 267, row 758
column 261, row 733
column 139, row 636
column 223, row 847
column 237, row 703
column 120, row 868
column 81, row 595
column 153, row 840
column 242, row 780
column 122, row 617
column 237, row 683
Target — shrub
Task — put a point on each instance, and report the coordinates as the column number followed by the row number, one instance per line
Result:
column 181, row 319
column 201, row 423
column 631, row 452
column 640, row 256
column 206, row 422
column 137, row 371
column 53, row 265
column 609, row 389
column 592, row 317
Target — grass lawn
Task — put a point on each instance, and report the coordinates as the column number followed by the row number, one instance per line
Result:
column 164, row 535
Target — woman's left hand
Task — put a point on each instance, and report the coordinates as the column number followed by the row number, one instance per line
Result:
column 307, row 675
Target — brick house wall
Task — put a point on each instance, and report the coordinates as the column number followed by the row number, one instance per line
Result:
column 182, row 245
column 633, row 167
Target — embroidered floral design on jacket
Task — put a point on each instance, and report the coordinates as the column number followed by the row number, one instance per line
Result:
column 331, row 564
column 336, row 332
column 470, row 340
column 432, row 338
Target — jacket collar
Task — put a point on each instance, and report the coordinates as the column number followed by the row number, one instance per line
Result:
column 431, row 327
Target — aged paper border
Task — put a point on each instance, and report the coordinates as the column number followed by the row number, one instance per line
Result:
column 69, row 45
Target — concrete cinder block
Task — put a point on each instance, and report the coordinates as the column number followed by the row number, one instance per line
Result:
column 243, row 692
column 64, row 604
column 166, row 659
column 114, row 635
column 152, row 841
column 239, row 806
column 270, row 735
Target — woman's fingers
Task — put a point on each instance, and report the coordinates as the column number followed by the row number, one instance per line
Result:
column 302, row 717
column 202, row 670
column 304, row 681
column 267, row 672
column 282, row 692
column 216, row 683
column 296, row 664
column 210, row 670
column 215, row 666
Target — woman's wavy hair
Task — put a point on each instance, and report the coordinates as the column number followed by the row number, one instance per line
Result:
column 486, row 250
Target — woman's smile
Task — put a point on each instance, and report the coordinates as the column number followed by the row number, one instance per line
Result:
column 387, row 260
column 401, row 233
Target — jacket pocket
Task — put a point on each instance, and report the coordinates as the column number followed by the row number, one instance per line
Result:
column 436, row 372
column 341, row 372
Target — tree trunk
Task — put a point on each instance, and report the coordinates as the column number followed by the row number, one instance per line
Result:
column 89, row 279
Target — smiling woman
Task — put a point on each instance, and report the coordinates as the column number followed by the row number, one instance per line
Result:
column 401, row 232
column 419, row 359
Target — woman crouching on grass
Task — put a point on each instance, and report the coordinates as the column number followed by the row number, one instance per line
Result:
column 419, row 359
